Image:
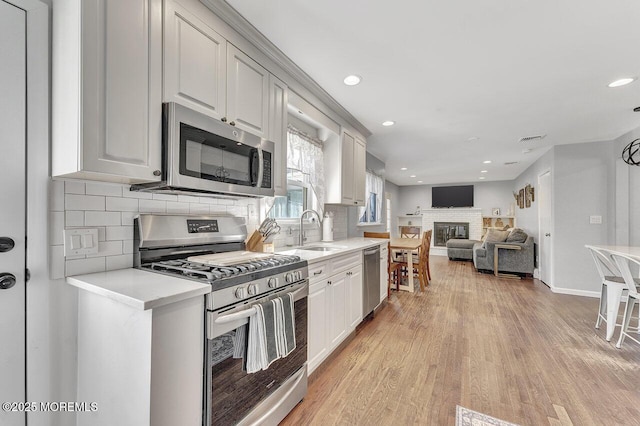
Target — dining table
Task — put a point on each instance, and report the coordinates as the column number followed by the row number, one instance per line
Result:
column 614, row 293
column 407, row 245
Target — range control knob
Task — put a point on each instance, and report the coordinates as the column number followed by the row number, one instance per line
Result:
column 299, row 275
column 289, row 277
column 252, row 289
column 272, row 283
column 240, row 293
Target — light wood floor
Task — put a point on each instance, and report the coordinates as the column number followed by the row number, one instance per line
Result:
column 511, row 349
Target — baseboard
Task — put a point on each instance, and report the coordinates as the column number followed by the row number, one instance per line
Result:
column 574, row 292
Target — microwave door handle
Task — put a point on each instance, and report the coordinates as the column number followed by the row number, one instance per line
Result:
column 260, row 169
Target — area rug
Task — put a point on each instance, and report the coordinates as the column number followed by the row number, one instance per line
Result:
column 466, row 417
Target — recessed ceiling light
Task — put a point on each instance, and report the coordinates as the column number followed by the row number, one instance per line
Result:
column 419, row 181
column 481, row 177
column 487, row 161
column 403, row 168
column 527, row 150
column 483, row 171
column 352, row 80
column 473, row 139
column 412, row 176
column 622, row 82
column 388, row 123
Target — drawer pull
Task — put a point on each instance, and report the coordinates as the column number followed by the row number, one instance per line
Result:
column 317, row 273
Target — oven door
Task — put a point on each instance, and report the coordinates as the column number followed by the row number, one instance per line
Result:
column 205, row 154
column 231, row 393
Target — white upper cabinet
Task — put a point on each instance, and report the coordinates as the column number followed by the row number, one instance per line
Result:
column 344, row 165
column 359, row 171
column 107, row 90
column 279, row 94
column 195, row 63
column 247, row 93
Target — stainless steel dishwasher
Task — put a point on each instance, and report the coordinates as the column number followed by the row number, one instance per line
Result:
column 371, row 285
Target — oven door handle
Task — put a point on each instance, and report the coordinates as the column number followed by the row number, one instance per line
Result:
column 217, row 322
column 235, row 316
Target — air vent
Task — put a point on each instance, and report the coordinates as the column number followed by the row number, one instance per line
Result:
column 531, row 138
column 510, row 163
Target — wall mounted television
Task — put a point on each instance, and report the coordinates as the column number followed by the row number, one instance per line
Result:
column 452, row 196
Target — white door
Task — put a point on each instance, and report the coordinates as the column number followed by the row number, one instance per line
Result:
column 12, row 211
column 544, row 228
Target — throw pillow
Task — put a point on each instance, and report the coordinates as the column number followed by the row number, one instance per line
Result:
column 495, row 236
column 517, row 236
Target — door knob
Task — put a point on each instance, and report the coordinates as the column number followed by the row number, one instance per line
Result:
column 547, row 235
column 7, row 280
column 6, row 244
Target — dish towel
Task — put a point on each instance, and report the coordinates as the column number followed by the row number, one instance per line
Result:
column 271, row 333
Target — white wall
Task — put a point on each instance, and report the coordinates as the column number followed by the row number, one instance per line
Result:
column 527, row 219
column 486, row 196
column 584, row 175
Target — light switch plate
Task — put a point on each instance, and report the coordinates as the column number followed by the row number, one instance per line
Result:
column 80, row 241
column 595, row 220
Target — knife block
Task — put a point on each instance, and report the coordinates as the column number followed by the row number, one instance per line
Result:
column 255, row 242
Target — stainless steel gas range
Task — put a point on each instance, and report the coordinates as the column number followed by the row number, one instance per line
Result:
column 211, row 250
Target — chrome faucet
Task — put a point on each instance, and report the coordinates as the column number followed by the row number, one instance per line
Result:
column 301, row 236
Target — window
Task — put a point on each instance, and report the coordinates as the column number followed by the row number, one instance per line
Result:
column 388, row 197
column 305, row 177
column 372, row 211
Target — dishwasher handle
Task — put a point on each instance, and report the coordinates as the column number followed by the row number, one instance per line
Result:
column 369, row 252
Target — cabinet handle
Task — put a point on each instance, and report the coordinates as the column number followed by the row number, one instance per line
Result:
column 329, row 282
column 317, row 273
column 233, row 123
column 223, row 119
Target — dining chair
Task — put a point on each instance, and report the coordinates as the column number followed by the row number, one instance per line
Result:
column 633, row 285
column 409, row 232
column 610, row 277
column 393, row 268
column 422, row 267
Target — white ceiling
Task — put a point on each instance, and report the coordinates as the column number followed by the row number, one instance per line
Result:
column 447, row 71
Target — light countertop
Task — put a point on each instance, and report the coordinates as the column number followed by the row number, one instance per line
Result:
column 138, row 288
column 341, row 247
column 144, row 290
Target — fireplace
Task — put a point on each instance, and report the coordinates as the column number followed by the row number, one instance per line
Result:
column 444, row 231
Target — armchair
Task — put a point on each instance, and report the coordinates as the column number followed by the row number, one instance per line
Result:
column 519, row 261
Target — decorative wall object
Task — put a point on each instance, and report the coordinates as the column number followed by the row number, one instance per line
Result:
column 527, row 196
column 630, row 153
column 496, row 211
column 521, row 198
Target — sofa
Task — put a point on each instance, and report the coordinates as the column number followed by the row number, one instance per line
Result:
column 519, row 262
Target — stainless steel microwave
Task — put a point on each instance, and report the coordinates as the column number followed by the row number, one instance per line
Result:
column 204, row 155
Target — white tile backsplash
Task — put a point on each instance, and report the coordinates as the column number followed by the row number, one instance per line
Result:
column 111, row 209
column 84, row 266
column 122, row 204
column 74, row 218
column 102, row 218
column 83, row 202
column 103, row 189
column 71, row 187
column 119, row 233
column 153, row 206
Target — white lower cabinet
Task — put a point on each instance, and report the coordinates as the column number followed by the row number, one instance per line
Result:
column 354, row 286
column 334, row 305
column 337, row 309
column 317, row 306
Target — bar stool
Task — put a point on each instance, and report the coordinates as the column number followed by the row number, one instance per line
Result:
column 633, row 284
column 612, row 283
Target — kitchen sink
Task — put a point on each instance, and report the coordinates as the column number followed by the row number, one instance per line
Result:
column 321, row 248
